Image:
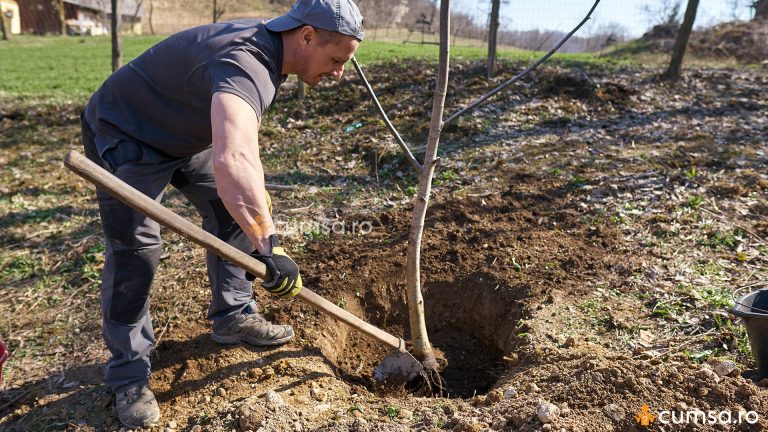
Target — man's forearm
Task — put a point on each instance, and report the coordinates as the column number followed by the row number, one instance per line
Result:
column 241, row 188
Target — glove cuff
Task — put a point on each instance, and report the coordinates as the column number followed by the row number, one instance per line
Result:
column 273, row 243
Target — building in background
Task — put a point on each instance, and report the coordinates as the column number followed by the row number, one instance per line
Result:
column 10, row 11
column 81, row 17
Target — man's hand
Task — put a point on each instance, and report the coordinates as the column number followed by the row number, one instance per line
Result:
column 284, row 273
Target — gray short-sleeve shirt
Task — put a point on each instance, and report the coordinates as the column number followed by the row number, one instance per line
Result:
column 163, row 97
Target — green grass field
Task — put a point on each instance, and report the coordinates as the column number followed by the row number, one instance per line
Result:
column 60, row 67
column 71, row 68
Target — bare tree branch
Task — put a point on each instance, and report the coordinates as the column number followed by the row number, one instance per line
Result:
column 517, row 77
column 406, row 152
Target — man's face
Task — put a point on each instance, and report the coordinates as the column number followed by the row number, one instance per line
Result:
column 326, row 61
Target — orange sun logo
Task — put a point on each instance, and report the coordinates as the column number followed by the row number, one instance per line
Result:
column 645, row 417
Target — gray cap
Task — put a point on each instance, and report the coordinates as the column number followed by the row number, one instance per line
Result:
column 341, row 16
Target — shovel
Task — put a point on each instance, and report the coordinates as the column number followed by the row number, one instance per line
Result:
column 399, row 367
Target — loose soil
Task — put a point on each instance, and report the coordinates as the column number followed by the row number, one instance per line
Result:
column 744, row 41
column 584, row 233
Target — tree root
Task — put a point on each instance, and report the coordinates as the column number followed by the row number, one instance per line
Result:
column 429, row 383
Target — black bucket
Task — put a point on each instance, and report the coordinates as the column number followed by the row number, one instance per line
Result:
column 753, row 309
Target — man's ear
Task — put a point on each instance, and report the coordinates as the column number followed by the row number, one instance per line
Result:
column 307, row 35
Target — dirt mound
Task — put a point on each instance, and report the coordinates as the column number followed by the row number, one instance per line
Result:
column 580, row 85
column 745, row 41
column 607, row 390
column 573, row 85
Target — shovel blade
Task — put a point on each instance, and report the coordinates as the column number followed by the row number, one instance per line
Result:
column 398, row 367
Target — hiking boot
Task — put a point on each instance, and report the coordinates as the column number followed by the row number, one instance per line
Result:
column 251, row 328
column 136, row 406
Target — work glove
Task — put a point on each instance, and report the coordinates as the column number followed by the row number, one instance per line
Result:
column 283, row 278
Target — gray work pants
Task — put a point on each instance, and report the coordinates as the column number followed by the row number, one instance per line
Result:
column 133, row 249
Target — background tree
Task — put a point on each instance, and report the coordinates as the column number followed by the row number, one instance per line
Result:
column 664, row 12
column 733, row 8
column 493, row 29
column 601, row 37
column 383, row 14
column 62, row 16
column 461, row 23
column 117, row 43
column 2, row 25
column 761, row 9
column 681, row 42
column 149, row 17
column 418, row 9
column 219, row 7
column 137, row 10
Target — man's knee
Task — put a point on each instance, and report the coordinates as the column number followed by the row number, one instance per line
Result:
column 117, row 221
column 131, row 282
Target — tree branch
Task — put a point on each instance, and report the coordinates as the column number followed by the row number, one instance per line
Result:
column 406, row 152
column 517, row 77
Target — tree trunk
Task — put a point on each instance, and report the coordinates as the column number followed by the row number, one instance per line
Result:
column 493, row 30
column 421, row 346
column 215, row 11
column 117, row 43
column 135, row 17
column 149, row 19
column 3, row 26
column 681, row 43
column 761, row 9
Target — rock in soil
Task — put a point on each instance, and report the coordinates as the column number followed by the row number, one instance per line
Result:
column 547, row 412
column 614, row 412
column 725, row 368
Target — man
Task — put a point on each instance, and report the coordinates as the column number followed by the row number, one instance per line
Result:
column 187, row 113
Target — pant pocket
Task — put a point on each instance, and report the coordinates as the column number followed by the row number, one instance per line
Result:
column 122, row 153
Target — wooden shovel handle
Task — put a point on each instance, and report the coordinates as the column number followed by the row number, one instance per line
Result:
column 107, row 182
